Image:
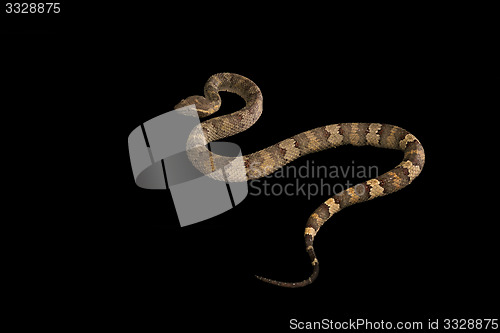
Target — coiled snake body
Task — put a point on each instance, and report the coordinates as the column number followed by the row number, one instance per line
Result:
column 268, row 160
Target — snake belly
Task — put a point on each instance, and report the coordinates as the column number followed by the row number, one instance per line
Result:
column 270, row 159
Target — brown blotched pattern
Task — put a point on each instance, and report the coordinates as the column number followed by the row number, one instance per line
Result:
column 268, row 160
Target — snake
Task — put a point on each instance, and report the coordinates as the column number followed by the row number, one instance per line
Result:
column 272, row 158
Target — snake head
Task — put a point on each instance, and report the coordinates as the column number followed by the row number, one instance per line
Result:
column 203, row 106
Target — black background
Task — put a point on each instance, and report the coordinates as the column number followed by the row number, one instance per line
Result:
column 92, row 245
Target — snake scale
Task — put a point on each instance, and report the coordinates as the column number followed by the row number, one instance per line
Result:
column 270, row 159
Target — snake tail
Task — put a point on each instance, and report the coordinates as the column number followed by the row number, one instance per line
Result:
column 399, row 177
